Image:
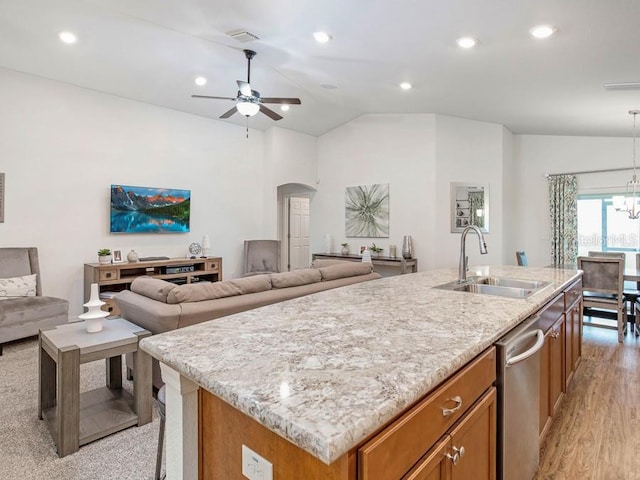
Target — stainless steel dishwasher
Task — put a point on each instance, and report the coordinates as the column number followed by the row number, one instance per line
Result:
column 518, row 401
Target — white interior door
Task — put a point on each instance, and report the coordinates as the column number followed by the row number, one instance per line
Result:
column 299, row 249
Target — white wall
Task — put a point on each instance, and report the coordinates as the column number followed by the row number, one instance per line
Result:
column 470, row 152
column 539, row 154
column 394, row 149
column 61, row 148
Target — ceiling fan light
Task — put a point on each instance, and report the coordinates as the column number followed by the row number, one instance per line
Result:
column 284, row 108
column 248, row 109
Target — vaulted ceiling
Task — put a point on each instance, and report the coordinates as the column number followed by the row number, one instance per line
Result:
column 152, row 50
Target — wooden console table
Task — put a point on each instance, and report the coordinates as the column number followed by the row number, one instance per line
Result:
column 118, row 276
column 75, row 418
column 406, row 265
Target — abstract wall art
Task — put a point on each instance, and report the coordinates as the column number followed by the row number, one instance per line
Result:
column 367, row 211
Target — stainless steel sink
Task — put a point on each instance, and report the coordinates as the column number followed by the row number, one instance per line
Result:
column 498, row 286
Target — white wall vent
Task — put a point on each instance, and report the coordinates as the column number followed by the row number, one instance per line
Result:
column 243, row 36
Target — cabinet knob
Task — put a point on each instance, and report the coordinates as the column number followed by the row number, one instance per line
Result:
column 454, row 458
column 460, row 451
column 449, row 411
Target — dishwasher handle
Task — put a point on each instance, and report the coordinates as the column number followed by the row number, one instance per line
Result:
column 532, row 351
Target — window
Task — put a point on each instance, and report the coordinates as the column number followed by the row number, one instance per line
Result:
column 602, row 228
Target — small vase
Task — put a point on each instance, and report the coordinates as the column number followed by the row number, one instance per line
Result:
column 345, row 250
column 407, row 247
column 132, row 256
column 94, row 315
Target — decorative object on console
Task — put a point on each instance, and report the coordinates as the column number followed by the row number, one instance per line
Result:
column 94, row 315
column 117, row 256
column 407, row 247
column 367, row 211
column 393, row 251
column 375, row 250
column 328, row 243
column 206, row 246
column 345, row 248
column 366, row 256
column 149, row 210
column 104, row 255
column 132, row 256
column 195, row 250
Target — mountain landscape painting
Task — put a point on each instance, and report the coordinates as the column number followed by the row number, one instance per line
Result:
column 149, row 210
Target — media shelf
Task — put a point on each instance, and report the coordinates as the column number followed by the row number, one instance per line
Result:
column 118, row 276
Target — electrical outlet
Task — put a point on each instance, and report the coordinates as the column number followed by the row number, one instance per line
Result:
column 254, row 467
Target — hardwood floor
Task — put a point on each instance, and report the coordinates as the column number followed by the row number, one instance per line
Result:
column 596, row 435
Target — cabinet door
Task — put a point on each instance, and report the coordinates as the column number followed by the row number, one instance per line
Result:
column 473, row 439
column 576, row 337
column 556, row 364
column 435, row 465
column 545, row 411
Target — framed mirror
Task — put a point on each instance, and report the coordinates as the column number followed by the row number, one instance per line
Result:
column 469, row 206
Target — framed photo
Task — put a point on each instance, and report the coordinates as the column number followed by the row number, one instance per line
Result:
column 117, row 256
column 362, row 249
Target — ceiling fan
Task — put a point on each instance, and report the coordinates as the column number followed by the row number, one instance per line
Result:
column 248, row 101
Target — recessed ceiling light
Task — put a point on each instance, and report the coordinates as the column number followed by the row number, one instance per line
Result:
column 543, row 31
column 201, row 81
column 284, row 108
column 68, row 37
column 406, row 86
column 467, row 42
column 322, row 37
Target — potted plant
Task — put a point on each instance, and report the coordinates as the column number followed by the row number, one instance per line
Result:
column 345, row 248
column 375, row 251
column 104, row 255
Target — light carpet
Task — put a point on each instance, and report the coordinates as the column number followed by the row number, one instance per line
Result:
column 27, row 450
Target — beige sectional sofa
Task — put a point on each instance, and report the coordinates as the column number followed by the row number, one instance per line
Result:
column 160, row 306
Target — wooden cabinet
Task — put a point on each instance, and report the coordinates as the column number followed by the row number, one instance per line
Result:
column 118, row 276
column 450, row 434
column 394, row 451
column 561, row 320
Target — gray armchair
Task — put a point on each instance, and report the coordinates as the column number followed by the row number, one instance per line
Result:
column 261, row 256
column 22, row 317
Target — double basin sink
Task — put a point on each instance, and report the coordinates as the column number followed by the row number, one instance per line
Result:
column 499, row 286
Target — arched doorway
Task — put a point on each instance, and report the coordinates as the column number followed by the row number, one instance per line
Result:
column 294, row 220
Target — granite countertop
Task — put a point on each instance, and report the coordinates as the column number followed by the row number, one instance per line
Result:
column 327, row 370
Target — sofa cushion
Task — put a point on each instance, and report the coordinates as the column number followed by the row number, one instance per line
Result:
column 296, row 277
column 327, row 262
column 199, row 292
column 153, row 288
column 24, row 286
column 347, row 269
column 253, row 284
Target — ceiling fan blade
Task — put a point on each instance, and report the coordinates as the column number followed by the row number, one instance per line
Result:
column 244, row 87
column 215, row 98
column 228, row 113
column 270, row 113
column 282, row 101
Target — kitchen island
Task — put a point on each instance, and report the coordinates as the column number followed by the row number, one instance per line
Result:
column 326, row 371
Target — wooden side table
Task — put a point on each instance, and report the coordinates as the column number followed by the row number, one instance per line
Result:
column 75, row 418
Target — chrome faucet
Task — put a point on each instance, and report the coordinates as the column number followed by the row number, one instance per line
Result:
column 463, row 265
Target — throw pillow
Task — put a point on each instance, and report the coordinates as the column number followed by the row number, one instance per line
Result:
column 24, row 286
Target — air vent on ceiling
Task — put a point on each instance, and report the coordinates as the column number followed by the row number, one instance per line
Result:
column 622, row 86
column 243, row 36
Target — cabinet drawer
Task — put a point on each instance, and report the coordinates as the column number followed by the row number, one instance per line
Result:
column 572, row 294
column 212, row 265
column 391, row 453
column 551, row 313
column 110, row 274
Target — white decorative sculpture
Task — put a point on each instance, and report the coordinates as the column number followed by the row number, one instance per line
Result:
column 93, row 316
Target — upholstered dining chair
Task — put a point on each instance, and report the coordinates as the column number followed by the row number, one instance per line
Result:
column 602, row 289
column 631, row 290
column 261, row 256
column 521, row 258
column 23, row 308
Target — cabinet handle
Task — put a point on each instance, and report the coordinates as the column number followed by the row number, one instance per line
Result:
column 555, row 334
column 449, row 411
column 460, row 451
column 454, row 458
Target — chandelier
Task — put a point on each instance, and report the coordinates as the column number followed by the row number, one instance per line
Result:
column 630, row 203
